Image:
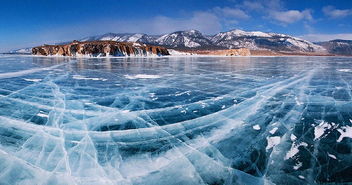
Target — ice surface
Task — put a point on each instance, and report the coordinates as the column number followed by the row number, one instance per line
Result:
column 265, row 120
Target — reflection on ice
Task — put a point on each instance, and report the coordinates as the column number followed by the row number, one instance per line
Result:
column 175, row 121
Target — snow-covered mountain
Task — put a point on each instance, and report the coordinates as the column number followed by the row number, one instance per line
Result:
column 21, row 51
column 122, row 37
column 184, row 39
column 179, row 39
column 193, row 39
column 257, row 40
column 340, row 47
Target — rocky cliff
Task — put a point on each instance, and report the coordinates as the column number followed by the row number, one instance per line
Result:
column 100, row 49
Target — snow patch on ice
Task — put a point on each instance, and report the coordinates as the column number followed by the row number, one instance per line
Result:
column 80, row 77
column 294, row 150
column 41, row 114
column 319, row 130
column 297, row 101
column 256, row 127
column 332, row 156
column 142, row 76
column 297, row 166
column 345, row 131
column 272, row 131
column 32, row 79
column 345, row 70
column 272, row 141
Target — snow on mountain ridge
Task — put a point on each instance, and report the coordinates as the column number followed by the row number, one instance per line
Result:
column 238, row 32
column 260, row 40
column 120, row 37
column 135, row 37
column 186, row 39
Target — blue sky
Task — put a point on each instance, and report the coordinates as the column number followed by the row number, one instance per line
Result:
column 33, row 22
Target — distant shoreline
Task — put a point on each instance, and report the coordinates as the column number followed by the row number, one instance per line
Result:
column 171, row 56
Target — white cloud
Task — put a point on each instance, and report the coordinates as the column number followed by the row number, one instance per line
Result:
column 291, row 16
column 253, row 5
column 275, row 10
column 326, row 37
column 334, row 13
column 205, row 22
column 231, row 12
column 262, row 5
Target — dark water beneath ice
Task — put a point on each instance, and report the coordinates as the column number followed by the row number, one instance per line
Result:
column 265, row 120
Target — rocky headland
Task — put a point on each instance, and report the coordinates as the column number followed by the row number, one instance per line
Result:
column 100, row 49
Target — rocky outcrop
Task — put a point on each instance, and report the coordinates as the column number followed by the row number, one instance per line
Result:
column 100, row 49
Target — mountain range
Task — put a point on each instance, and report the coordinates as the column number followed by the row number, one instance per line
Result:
column 253, row 40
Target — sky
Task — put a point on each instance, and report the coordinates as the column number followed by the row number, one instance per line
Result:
column 27, row 23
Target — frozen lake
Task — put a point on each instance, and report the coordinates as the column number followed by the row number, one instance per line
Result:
column 171, row 121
